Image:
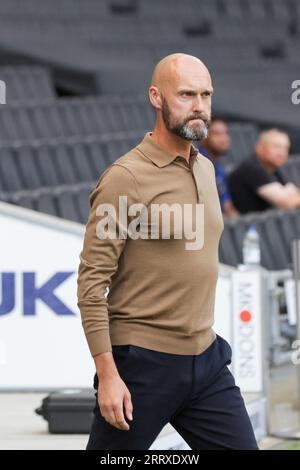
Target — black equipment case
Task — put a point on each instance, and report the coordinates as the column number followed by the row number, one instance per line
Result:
column 68, row 411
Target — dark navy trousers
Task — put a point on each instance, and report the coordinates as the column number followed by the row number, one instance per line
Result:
column 196, row 394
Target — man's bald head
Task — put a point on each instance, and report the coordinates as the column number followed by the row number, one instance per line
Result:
column 273, row 147
column 181, row 91
column 271, row 134
column 174, row 67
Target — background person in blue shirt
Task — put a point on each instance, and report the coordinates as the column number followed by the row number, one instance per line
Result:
column 216, row 145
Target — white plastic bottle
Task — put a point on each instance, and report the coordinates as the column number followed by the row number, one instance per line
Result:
column 251, row 247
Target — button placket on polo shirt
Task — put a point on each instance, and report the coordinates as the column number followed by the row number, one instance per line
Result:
column 195, row 172
column 181, row 161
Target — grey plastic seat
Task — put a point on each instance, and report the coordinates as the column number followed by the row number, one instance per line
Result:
column 10, row 177
column 45, row 202
column 290, row 229
column 34, row 173
column 227, row 250
column 275, row 241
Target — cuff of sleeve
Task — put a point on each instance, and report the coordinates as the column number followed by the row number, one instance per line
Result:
column 99, row 342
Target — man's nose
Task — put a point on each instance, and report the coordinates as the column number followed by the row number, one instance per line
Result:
column 198, row 104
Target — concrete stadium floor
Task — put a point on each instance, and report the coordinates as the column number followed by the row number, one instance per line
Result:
column 21, row 428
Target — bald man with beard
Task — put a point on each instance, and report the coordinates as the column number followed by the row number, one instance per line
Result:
column 157, row 357
column 256, row 184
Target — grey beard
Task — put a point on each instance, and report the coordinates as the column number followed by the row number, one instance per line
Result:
column 191, row 134
column 183, row 130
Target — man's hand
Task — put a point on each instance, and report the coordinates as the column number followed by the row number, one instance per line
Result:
column 282, row 196
column 113, row 395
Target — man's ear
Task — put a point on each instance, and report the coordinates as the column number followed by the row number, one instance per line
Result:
column 155, row 97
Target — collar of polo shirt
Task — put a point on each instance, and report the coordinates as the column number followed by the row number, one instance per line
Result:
column 159, row 156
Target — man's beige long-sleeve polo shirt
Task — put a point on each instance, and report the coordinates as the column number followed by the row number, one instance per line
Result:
column 161, row 295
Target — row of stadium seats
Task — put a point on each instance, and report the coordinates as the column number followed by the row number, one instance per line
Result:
column 70, row 202
column 67, row 9
column 25, row 82
column 150, row 31
column 58, row 162
column 217, row 53
column 78, row 116
column 111, row 46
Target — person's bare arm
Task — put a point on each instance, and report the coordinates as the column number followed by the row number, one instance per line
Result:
column 113, row 395
column 282, row 196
